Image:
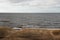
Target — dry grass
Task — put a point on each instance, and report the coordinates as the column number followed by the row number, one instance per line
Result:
column 29, row 34
column 5, row 32
column 33, row 34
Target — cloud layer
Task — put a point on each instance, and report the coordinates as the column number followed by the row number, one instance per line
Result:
column 29, row 6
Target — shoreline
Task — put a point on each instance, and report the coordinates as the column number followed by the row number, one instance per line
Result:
column 38, row 28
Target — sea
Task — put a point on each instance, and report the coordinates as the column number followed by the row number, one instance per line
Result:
column 38, row 20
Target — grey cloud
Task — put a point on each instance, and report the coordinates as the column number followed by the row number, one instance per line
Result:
column 18, row 1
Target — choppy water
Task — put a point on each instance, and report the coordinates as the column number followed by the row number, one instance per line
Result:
column 38, row 20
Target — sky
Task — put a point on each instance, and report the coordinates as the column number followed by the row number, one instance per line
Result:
column 30, row 6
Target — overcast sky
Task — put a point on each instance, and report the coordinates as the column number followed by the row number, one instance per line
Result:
column 30, row 6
